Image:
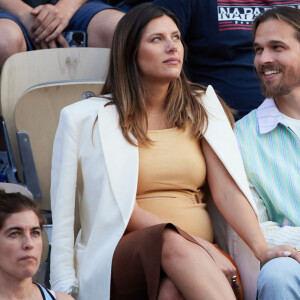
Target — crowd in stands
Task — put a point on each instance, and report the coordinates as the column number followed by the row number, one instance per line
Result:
column 145, row 230
column 217, row 35
column 28, row 25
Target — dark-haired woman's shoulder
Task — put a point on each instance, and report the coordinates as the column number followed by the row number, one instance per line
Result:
column 62, row 296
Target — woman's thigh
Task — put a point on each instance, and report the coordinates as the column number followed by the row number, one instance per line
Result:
column 138, row 259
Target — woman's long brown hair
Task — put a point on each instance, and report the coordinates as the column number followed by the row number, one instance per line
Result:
column 123, row 83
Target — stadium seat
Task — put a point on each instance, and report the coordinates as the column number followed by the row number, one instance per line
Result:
column 37, row 73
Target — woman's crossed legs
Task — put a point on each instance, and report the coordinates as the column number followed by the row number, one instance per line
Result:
column 190, row 271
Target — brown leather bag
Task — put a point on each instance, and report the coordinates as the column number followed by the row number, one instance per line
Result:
column 236, row 284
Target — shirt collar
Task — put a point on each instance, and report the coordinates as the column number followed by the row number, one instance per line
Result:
column 268, row 116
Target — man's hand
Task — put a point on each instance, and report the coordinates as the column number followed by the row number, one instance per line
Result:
column 50, row 21
column 61, row 41
column 28, row 20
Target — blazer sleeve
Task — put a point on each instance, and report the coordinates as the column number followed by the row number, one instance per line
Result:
column 63, row 191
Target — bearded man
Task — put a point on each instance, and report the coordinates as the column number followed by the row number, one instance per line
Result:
column 269, row 139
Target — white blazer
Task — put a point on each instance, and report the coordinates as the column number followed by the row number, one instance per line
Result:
column 96, row 162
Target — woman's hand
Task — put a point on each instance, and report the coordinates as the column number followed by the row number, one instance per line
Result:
column 280, row 251
column 221, row 260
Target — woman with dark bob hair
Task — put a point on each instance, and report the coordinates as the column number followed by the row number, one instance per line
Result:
column 21, row 249
column 138, row 159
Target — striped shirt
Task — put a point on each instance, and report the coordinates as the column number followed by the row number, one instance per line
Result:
column 271, row 154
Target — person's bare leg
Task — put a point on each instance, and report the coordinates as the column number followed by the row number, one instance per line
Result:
column 192, row 270
column 168, row 291
column 11, row 40
column 102, row 27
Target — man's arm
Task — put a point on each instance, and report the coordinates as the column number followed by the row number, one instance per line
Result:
column 16, row 7
column 24, row 13
column 51, row 20
column 274, row 234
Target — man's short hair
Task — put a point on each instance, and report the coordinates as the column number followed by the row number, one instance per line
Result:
column 286, row 14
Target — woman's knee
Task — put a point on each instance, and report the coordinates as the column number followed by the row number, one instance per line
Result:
column 172, row 245
column 168, row 291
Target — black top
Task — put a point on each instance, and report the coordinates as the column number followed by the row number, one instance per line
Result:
column 34, row 3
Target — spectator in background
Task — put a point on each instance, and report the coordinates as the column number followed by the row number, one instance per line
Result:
column 21, row 249
column 269, row 140
column 23, row 27
column 217, row 33
column 218, row 36
column 219, row 41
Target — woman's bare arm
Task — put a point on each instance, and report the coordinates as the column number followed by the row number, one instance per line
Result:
column 237, row 210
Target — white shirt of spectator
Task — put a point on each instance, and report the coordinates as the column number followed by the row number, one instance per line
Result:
column 294, row 124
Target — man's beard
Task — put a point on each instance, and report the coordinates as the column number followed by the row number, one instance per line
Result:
column 290, row 79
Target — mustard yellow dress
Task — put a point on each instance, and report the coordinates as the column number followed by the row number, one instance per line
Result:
column 171, row 180
column 172, row 173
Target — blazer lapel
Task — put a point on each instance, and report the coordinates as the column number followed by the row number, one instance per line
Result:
column 221, row 138
column 121, row 159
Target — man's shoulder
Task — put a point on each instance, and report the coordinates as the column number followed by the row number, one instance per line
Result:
column 248, row 122
column 259, row 121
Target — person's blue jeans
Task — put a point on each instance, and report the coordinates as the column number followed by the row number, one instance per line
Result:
column 279, row 279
